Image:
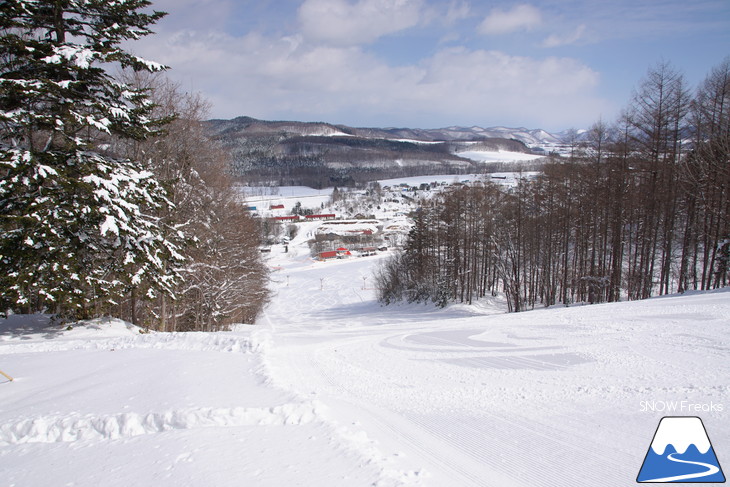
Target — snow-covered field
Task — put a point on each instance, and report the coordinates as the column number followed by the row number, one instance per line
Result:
column 331, row 389
column 262, row 198
column 498, row 156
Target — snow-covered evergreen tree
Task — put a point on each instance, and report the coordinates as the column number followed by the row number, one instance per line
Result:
column 76, row 230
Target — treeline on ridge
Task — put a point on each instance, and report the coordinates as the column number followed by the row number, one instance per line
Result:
column 288, row 154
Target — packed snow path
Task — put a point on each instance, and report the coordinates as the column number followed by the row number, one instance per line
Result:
column 468, row 396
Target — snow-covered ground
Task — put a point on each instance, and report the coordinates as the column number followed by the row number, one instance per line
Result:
column 331, row 389
column 264, row 197
column 498, row 156
column 471, row 396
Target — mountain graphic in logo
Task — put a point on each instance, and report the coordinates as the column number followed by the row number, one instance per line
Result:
column 681, row 452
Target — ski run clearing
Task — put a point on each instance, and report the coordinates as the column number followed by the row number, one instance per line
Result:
column 331, row 389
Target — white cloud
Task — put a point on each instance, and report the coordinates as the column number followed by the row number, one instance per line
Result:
column 457, row 11
column 521, row 17
column 343, row 23
column 287, row 77
column 557, row 40
column 333, row 76
column 493, row 86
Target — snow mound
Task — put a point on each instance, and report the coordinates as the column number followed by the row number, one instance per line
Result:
column 53, row 429
column 188, row 341
column 44, row 326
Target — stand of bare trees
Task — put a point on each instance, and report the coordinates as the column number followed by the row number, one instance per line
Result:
column 638, row 209
column 222, row 278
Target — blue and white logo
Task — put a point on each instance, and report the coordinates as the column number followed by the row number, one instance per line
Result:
column 681, row 452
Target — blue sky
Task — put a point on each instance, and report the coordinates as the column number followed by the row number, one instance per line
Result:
column 552, row 64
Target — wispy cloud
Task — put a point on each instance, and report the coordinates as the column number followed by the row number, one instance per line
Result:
column 343, row 23
column 557, row 40
column 634, row 19
column 457, row 10
column 521, row 17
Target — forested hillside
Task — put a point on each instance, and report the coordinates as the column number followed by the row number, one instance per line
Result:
column 324, row 155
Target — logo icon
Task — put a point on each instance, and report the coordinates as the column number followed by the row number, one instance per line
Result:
column 680, row 452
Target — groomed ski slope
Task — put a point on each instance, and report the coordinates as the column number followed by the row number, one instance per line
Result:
column 331, row 389
column 468, row 396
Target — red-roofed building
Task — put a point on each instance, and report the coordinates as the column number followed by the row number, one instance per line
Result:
column 328, row 216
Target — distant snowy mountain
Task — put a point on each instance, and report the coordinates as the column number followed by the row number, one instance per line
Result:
column 250, row 125
column 319, row 154
column 532, row 138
